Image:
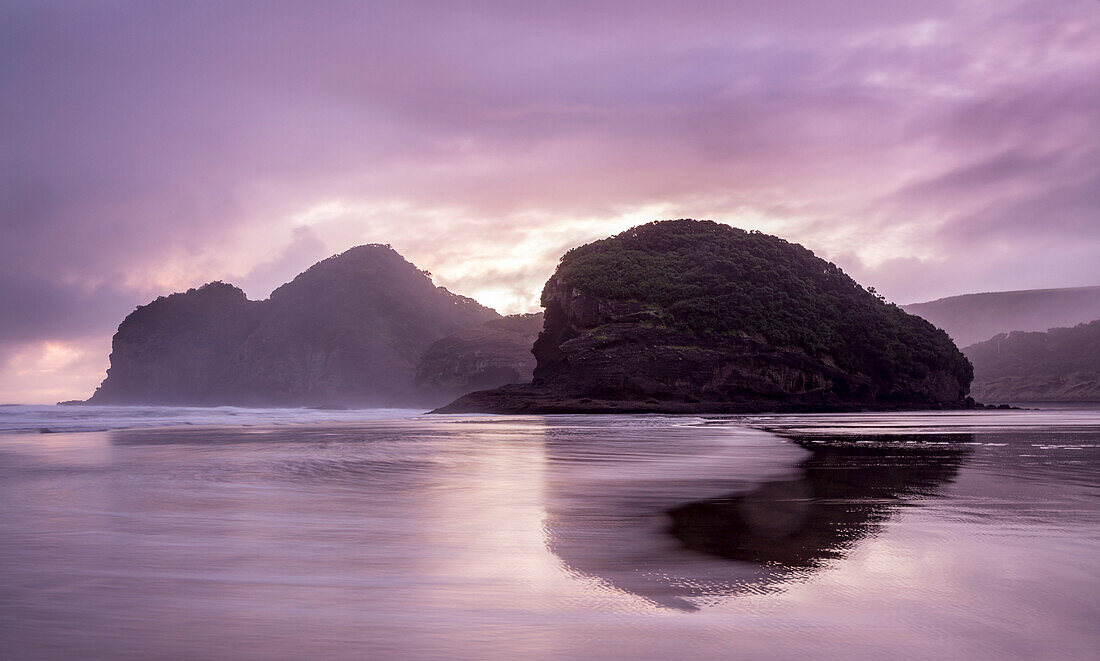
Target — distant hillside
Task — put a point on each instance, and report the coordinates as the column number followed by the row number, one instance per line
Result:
column 1062, row 364
column 349, row 330
column 977, row 317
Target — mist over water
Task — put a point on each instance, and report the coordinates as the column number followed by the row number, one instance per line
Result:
column 54, row 419
column 176, row 533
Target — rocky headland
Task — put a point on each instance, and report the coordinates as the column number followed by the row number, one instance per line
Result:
column 347, row 331
column 696, row 316
column 1060, row 365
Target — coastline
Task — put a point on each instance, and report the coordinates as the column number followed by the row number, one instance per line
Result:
column 527, row 400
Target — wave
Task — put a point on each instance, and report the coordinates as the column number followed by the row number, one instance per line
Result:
column 65, row 419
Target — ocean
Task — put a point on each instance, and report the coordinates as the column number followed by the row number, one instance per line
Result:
column 171, row 533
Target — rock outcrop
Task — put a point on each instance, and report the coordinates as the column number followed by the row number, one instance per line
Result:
column 1060, row 365
column 494, row 354
column 181, row 349
column 695, row 316
column 347, row 331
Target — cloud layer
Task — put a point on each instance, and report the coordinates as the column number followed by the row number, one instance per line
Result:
column 929, row 148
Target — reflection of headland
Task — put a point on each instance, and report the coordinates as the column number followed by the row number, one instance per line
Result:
column 846, row 490
column 760, row 537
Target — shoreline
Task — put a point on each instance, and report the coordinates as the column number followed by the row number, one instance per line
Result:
column 527, row 400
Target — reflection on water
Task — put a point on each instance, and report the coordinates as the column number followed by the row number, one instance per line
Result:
column 769, row 528
column 623, row 537
column 844, row 492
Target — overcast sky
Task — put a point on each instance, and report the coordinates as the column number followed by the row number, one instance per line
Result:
column 929, row 148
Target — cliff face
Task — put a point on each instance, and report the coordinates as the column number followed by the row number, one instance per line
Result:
column 180, row 348
column 695, row 316
column 610, row 349
column 347, row 331
column 494, row 354
column 1060, row 365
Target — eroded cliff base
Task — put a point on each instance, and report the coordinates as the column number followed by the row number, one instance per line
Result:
column 533, row 400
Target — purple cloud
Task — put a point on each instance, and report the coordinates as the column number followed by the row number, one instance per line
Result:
column 929, row 148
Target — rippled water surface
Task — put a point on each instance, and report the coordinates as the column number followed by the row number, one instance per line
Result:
column 229, row 533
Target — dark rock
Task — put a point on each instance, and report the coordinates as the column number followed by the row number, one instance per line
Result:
column 347, row 331
column 491, row 355
column 180, row 349
column 692, row 316
column 845, row 491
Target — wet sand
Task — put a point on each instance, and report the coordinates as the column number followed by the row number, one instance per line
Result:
column 952, row 535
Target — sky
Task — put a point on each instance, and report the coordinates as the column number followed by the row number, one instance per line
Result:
column 928, row 148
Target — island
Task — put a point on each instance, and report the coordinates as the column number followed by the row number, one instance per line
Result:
column 691, row 316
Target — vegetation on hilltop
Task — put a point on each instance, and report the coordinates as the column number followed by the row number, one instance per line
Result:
column 711, row 279
column 1060, row 365
column 1055, row 352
